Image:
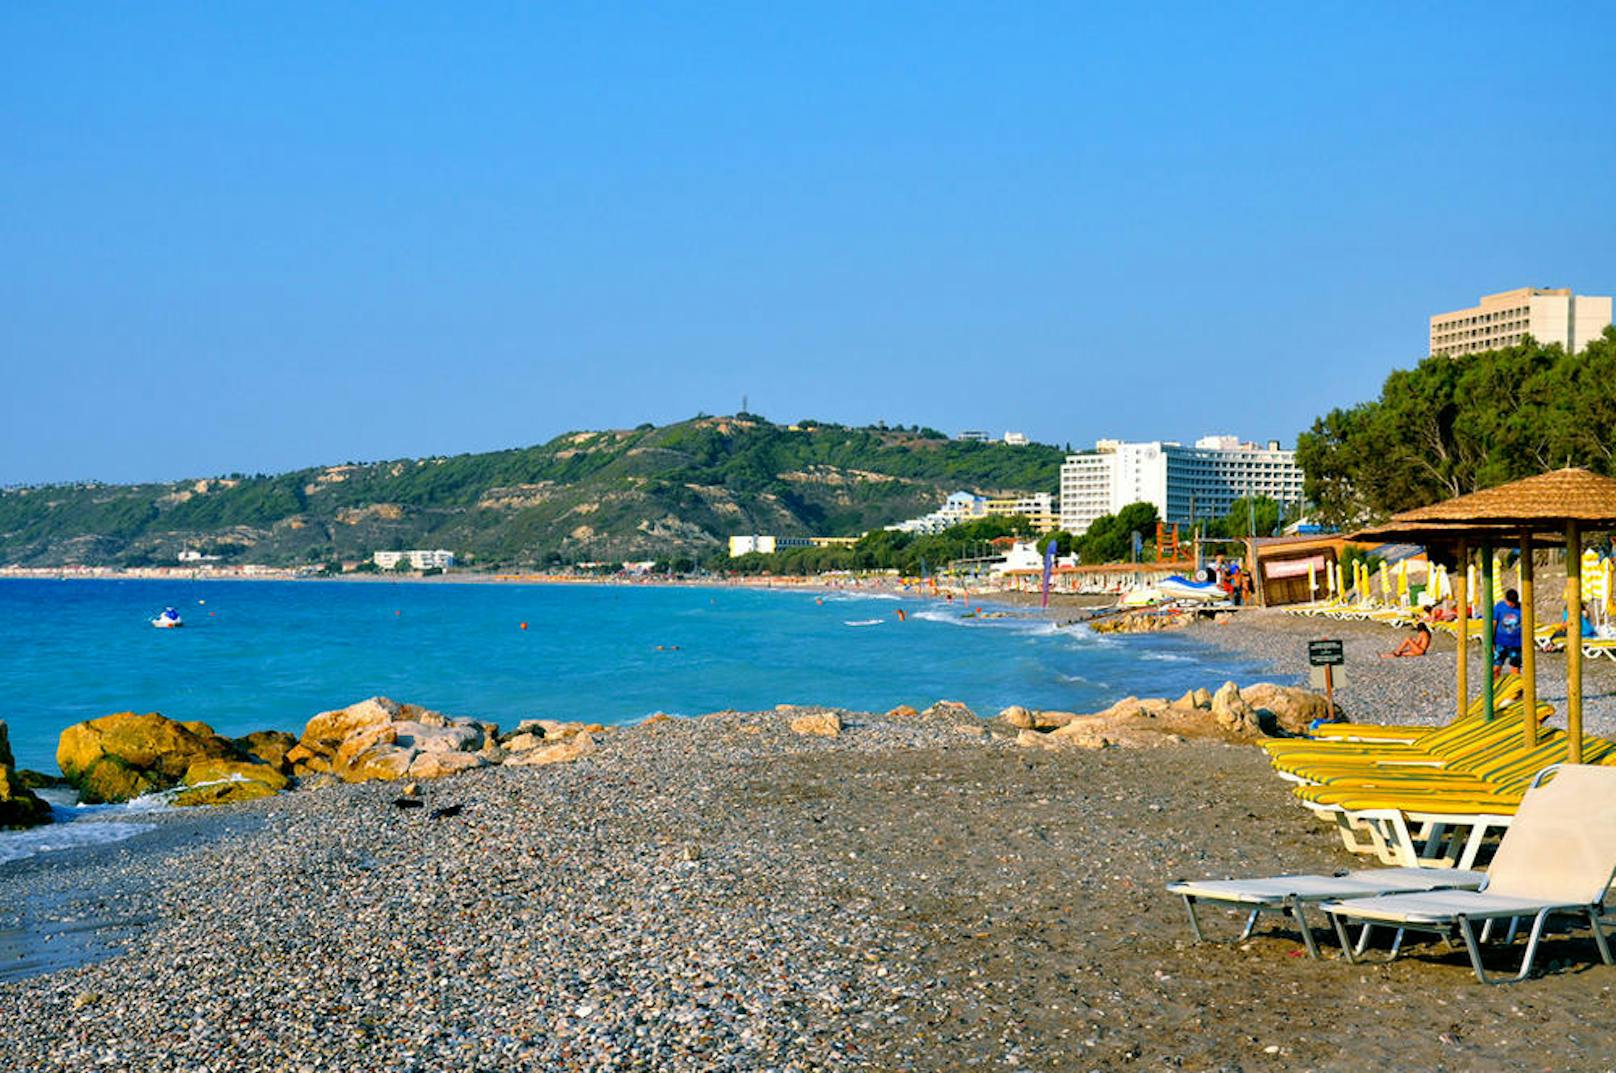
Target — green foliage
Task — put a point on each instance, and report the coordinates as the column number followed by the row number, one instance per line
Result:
column 884, row 549
column 1064, row 542
column 1455, row 425
column 647, row 492
column 1238, row 522
column 1109, row 539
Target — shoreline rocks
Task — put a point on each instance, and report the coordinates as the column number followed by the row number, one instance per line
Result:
column 121, row 756
column 19, row 805
column 1231, row 714
column 379, row 738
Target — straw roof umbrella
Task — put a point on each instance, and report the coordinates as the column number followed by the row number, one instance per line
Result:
column 1564, row 504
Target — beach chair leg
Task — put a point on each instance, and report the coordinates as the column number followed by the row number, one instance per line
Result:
column 1599, row 935
column 1251, row 926
column 1346, row 942
column 1397, row 943
column 1195, row 925
column 1474, row 949
column 1303, row 926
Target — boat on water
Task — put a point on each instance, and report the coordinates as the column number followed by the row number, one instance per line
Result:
column 168, row 620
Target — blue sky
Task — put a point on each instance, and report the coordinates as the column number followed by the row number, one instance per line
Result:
column 259, row 236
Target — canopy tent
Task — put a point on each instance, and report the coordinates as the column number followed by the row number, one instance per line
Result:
column 1562, row 505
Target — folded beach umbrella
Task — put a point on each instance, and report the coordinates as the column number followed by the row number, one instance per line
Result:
column 1312, row 581
column 1402, row 582
column 1385, row 583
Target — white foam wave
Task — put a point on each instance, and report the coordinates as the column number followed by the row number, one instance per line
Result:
column 72, row 830
column 850, row 597
column 863, row 622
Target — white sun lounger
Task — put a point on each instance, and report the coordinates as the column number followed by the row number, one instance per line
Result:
column 1289, row 894
column 1557, row 859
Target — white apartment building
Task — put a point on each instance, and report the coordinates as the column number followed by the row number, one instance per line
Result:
column 1504, row 319
column 1184, row 483
column 420, row 559
column 1039, row 508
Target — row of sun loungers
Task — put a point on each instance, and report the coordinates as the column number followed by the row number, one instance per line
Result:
column 1430, row 802
column 1557, row 861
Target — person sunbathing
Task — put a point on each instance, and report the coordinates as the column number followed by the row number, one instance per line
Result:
column 1416, row 645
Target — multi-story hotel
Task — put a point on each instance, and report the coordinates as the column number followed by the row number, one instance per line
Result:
column 1184, row 483
column 1501, row 320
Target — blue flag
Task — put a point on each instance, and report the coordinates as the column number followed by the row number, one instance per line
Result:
column 1049, row 567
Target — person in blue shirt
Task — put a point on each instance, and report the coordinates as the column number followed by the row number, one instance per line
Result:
column 1507, row 632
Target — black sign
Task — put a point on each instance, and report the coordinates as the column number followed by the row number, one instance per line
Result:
column 1325, row 654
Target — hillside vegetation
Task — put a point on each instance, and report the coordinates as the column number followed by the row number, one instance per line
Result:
column 648, row 492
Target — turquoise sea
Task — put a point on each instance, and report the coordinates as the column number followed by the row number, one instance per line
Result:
column 268, row 655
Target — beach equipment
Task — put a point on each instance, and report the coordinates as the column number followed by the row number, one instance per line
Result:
column 1182, row 588
column 1289, row 895
column 1402, row 583
column 1560, row 505
column 1557, row 859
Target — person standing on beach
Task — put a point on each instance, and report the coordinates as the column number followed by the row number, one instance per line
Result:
column 1507, row 633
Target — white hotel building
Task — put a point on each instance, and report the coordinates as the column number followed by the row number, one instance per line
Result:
column 1202, row 481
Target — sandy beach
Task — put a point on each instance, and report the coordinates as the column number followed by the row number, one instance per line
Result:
column 720, row 893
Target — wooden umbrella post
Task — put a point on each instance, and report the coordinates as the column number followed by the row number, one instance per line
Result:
column 1488, row 636
column 1461, row 598
column 1573, row 597
column 1528, row 642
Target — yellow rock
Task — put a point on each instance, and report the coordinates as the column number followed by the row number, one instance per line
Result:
column 217, row 770
column 126, row 754
column 222, row 793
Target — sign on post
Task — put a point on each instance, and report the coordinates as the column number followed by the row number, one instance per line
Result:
column 1324, row 656
column 1326, row 653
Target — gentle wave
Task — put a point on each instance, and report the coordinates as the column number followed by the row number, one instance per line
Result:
column 74, row 828
column 863, row 622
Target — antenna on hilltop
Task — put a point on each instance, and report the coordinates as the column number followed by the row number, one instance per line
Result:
column 743, row 404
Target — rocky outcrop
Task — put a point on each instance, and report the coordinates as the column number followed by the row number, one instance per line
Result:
column 126, row 754
column 19, row 805
column 1141, row 622
column 380, row 738
column 268, row 746
column 1231, row 714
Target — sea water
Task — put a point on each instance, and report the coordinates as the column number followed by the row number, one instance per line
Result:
column 268, row 655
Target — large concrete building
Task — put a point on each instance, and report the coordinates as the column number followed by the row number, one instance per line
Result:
column 1504, row 319
column 1184, row 483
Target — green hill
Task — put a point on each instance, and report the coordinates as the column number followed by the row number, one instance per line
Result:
column 648, row 492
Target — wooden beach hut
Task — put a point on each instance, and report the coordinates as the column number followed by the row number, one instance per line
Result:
column 1563, row 506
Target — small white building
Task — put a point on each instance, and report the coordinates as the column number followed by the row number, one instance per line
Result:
column 1015, row 439
column 764, row 544
column 419, row 559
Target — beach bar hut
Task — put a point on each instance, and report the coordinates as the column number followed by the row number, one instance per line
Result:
column 1565, row 505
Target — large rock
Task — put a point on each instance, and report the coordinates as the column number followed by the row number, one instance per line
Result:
column 19, row 806
column 126, row 754
column 1286, row 708
column 380, row 738
column 269, row 746
column 574, row 747
column 219, row 782
column 1232, row 712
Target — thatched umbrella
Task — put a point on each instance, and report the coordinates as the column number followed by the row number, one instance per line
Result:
column 1563, row 504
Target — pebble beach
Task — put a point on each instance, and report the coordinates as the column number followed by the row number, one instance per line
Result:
column 720, row 893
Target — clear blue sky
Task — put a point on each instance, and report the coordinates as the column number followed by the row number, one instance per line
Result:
column 259, row 236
